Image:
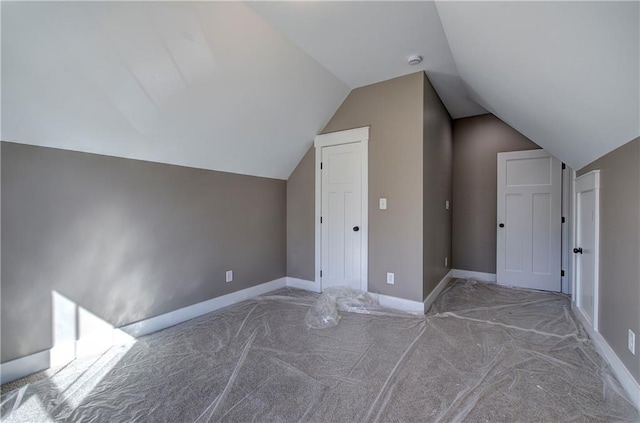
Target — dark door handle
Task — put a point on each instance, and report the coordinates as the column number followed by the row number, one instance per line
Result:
column 356, row 228
column 501, row 225
column 577, row 250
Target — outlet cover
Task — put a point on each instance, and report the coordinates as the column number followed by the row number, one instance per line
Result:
column 632, row 342
column 229, row 276
column 383, row 204
column 391, row 278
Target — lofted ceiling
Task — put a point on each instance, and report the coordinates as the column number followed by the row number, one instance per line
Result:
column 367, row 42
column 564, row 74
column 244, row 87
column 207, row 85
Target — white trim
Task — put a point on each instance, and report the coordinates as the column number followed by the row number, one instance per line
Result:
column 24, row 366
column 399, row 303
column 469, row 274
column 572, row 235
column 437, row 290
column 180, row 315
column 590, row 182
column 628, row 382
column 34, row 363
column 303, row 284
column 318, row 227
column 566, row 229
column 342, row 137
column 360, row 135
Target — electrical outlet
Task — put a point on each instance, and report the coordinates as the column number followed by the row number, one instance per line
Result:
column 391, row 278
column 446, row 204
column 229, row 276
column 446, row 262
column 383, row 204
column 632, row 342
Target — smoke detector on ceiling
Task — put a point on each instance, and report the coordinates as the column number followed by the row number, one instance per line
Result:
column 414, row 59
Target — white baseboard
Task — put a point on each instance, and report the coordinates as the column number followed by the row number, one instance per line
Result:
column 468, row 274
column 43, row 360
column 628, row 382
column 175, row 317
column 24, row 366
column 303, row 284
column 437, row 290
column 399, row 303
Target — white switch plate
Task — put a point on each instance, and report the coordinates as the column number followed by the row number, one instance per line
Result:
column 446, row 204
column 229, row 276
column 391, row 278
column 632, row 342
column 383, row 204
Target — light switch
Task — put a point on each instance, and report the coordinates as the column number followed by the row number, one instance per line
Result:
column 383, row 204
column 446, row 204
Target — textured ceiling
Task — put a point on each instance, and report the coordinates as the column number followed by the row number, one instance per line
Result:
column 244, row 88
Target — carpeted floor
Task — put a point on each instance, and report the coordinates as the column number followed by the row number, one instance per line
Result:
column 483, row 353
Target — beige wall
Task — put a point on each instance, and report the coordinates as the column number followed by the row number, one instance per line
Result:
column 437, row 188
column 126, row 239
column 619, row 295
column 301, row 219
column 393, row 110
column 476, row 142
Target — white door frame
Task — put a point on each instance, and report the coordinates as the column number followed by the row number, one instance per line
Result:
column 358, row 135
column 586, row 182
column 568, row 174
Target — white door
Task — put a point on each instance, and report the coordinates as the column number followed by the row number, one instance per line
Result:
column 586, row 246
column 341, row 216
column 529, row 233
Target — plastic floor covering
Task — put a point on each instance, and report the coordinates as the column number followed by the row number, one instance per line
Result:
column 483, row 353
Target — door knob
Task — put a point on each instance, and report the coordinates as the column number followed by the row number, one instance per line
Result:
column 577, row 250
column 501, row 225
column 356, row 228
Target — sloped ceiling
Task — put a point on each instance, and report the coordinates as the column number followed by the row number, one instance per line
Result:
column 564, row 74
column 207, row 85
column 244, row 88
column 367, row 42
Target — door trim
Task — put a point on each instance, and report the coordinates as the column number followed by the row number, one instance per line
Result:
column 588, row 182
column 567, row 227
column 357, row 135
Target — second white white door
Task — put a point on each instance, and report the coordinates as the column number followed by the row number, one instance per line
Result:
column 586, row 248
column 341, row 215
column 529, row 232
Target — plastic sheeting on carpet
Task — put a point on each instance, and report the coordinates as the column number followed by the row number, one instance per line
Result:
column 484, row 353
column 325, row 311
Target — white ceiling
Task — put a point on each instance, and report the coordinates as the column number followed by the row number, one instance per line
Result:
column 367, row 42
column 564, row 74
column 245, row 88
column 207, row 85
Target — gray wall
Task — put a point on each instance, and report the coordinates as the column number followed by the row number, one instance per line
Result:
column 301, row 219
column 619, row 295
column 437, row 188
column 126, row 239
column 393, row 109
column 476, row 142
